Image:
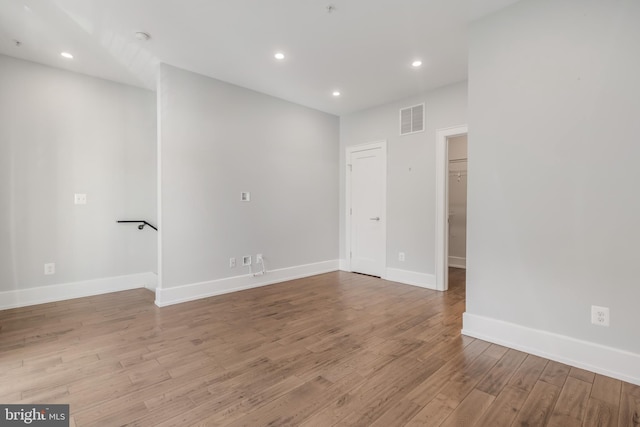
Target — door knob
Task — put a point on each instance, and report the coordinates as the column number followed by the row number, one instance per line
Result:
column 377, row 218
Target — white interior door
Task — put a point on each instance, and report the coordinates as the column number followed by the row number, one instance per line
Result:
column 368, row 210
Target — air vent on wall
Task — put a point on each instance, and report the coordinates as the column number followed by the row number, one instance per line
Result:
column 412, row 119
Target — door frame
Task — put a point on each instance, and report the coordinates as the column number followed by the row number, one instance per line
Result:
column 442, row 202
column 382, row 144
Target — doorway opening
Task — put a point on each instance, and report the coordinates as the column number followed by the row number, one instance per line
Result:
column 457, row 209
column 443, row 178
column 457, row 206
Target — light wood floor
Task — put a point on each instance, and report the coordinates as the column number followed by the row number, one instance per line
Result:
column 336, row 349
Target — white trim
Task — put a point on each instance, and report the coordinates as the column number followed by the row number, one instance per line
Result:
column 160, row 93
column 343, row 265
column 442, row 201
column 349, row 150
column 85, row 288
column 414, row 278
column 457, row 262
column 593, row 357
column 151, row 282
column 194, row 291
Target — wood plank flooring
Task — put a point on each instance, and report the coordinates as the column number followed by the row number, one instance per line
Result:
column 337, row 349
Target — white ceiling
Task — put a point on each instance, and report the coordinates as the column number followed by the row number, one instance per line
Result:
column 364, row 48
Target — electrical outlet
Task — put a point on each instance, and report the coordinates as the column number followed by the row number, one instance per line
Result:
column 232, row 262
column 600, row 315
column 50, row 268
column 245, row 196
column 246, row 260
column 400, row 256
column 80, row 199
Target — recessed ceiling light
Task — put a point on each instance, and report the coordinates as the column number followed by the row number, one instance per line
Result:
column 416, row 63
column 279, row 56
column 141, row 35
column 67, row 55
column 336, row 93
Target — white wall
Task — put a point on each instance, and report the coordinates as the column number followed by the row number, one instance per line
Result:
column 219, row 140
column 411, row 173
column 63, row 133
column 553, row 192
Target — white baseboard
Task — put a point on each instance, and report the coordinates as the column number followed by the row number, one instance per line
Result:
column 343, row 265
column 457, row 262
column 593, row 357
column 407, row 277
column 85, row 288
column 151, row 282
column 194, row 291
